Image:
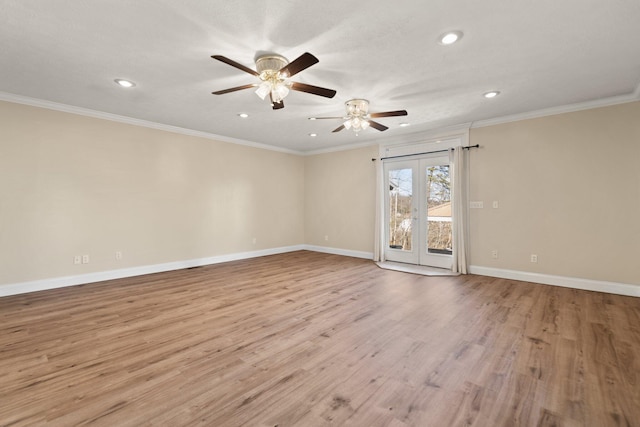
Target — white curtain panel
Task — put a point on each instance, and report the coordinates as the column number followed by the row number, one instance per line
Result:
column 458, row 159
column 378, row 251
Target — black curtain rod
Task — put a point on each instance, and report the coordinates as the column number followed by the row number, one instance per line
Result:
column 427, row 152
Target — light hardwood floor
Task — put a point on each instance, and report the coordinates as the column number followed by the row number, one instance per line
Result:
column 310, row 339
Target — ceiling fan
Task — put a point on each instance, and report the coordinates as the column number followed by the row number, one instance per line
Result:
column 274, row 72
column 358, row 117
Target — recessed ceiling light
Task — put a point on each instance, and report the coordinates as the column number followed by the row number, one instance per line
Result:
column 491, row 94
column 450, row 37
column 125, row 83
column 243, row 115
column 404, row 125
column 313, row 135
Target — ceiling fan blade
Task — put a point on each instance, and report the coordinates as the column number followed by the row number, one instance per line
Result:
column 233, row 89
column 235, row 64
column 302, row 62
column 276, row 105
column 377, row 125
column 325, row 118
column 315, row 90
column 338, row 129
column 389, row 114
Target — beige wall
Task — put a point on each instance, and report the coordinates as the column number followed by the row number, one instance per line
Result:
column 73, row 185
column 568, row 188
column 340, row 199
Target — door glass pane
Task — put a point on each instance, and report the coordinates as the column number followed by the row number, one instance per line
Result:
column 400, row 202
column 439, row 237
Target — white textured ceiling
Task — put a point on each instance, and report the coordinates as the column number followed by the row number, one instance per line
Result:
column 540, row 54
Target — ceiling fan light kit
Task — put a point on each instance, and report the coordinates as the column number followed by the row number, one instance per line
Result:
column 356, row 124
column 357, row 110
column 273, row 80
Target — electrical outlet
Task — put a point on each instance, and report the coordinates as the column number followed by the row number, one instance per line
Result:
column 495, row 204
column 118, row 255
column 77, row 259
column 326, row 238
column 85, row 259
column 534, row 258
column 494, row 254
column 255, row 240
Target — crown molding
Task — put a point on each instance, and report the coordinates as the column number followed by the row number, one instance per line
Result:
column 552, row 111
column 410, row 138
column 436, row 133
column 65, row 108
column 339, row 148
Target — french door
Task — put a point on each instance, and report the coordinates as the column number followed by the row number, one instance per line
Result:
column 418, row 208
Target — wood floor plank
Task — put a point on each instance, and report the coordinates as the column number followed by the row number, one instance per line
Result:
column 310, row 339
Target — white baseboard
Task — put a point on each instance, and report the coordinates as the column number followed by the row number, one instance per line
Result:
column 567, row 282
column 60, row 282
column 337, row 251
column 546, row 279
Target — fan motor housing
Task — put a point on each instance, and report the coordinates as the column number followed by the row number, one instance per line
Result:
column 271, row 63
column 357, row 107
